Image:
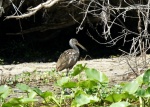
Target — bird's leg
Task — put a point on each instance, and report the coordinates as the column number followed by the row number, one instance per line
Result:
column 67, row 90
column 67, row 71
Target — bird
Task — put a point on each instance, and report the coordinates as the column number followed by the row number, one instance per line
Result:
column 69, row 57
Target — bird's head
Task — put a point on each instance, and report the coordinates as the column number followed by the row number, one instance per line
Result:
column 74, row 41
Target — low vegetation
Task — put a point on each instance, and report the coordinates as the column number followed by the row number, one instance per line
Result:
column 84, row 87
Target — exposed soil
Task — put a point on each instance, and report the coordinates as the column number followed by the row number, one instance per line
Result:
column 116, row 69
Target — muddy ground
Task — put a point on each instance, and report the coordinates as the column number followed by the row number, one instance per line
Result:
column 117, row 69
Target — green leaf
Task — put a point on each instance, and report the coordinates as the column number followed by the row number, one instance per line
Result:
column 146, row 77
column 147, row 92
column 4, row 91
column 14, row 102
column 131, row 87
column 126, row 95
column 43, row 94
column 140, row 79
column 120, row 104
column 140, row 92
column 114, row 97
column 23, row 87
column 32, row 94
column 78, row 69
column 46, row 94
column 62, row 81
column 37, row 90
column 18, row 102
column 88, row 84
column 93, row 74
column 70, row 85
column 81, row 98
column 28, row 100
column 3, row 88
column 26, row 88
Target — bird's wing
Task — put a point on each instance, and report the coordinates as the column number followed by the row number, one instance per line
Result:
column 66, row 60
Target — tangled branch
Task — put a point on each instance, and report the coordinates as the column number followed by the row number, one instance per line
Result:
column 32, row 11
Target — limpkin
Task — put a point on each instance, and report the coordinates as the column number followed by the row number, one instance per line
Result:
column 69, row 57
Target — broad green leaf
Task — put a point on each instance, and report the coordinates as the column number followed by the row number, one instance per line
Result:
column 37, row 90
column 147, row 92
column 4, row 91
column 140, row 79
column 126, row 95
column 46, row 94
column 81, row 98
column 56, row 101
column 43, row 94
column 14, row 102
column 140, row 92
column 18, row 102
column 32, row 94
column 23, row 87
column 26, row 88
column 62, row 81
column 70, row 85
column 3, row 88
column 28, row 100
column 120, row 104
column 88, row 84
column 131, row 87
column 93, row 74
column 78, row 69
column 146, row 77
column 114, row 97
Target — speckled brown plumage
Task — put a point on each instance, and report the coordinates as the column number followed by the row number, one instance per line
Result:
column 69, row 57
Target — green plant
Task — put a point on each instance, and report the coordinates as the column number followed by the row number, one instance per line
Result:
column 84, row 87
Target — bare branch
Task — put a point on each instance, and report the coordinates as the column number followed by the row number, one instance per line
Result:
column 32, row 11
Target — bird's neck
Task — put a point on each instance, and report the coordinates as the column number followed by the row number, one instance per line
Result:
column 74, row 47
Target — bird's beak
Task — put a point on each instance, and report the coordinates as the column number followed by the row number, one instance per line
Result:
column 81, row 46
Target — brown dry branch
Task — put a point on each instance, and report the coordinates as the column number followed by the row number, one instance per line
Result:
column 140, row 41
column 85, row 16
column 108, row 24
column 32, row 11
